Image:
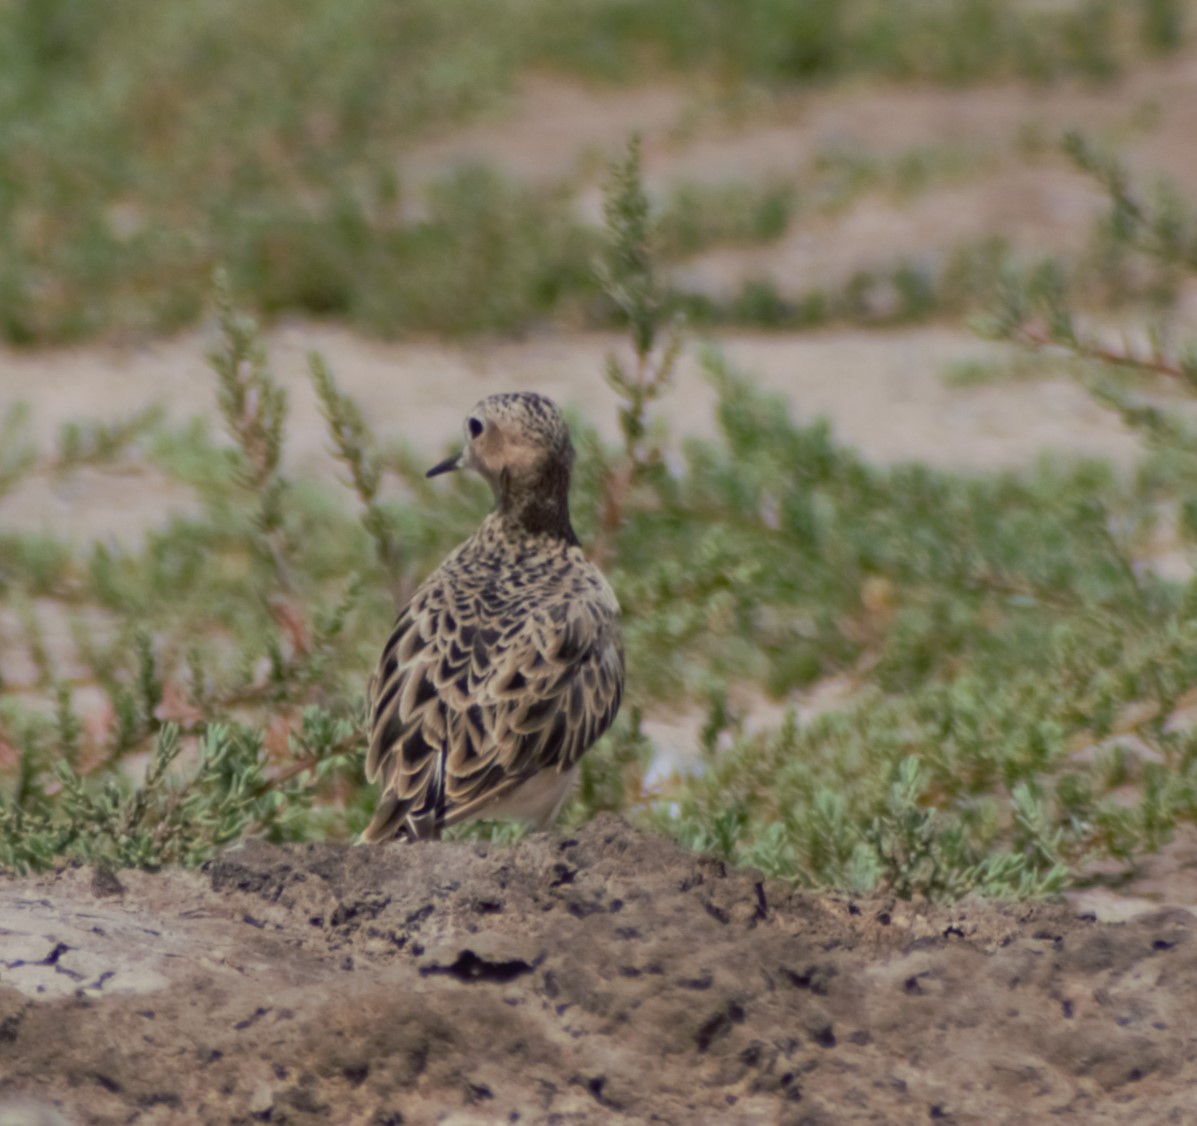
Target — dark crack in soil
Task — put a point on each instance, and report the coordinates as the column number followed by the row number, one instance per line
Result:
column 607, row 977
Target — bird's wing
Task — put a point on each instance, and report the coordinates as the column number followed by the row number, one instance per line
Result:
column 465, row 707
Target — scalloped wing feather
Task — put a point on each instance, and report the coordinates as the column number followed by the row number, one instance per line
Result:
column 474, row 697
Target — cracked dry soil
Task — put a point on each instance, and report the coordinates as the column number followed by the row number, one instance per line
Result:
column 610, row 976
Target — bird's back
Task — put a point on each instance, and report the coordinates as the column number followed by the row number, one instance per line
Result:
column 507, row 664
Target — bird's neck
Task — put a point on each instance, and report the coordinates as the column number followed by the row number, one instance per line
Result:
column 538, row 507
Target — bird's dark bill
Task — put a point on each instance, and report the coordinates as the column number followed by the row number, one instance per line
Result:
column 446, row 466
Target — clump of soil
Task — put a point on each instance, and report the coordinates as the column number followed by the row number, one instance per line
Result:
column 607, row 977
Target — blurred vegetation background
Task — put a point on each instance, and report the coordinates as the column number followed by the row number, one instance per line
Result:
column 1020, row 670
column 141, row 146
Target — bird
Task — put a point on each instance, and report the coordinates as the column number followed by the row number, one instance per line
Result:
column 507, row 663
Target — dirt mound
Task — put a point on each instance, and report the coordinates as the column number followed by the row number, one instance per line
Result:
column 606, row 977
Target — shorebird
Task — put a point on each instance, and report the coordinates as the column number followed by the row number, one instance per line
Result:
column 507, row 664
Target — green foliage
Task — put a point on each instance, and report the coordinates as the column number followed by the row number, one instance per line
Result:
column 697, row 217
column 1002, row 628
column 775, row 41
column 16, row 452
column 1146, row 247
column 1021, row 667
column 628, row 277
column 1020, row 670
column 140, row 148
column 978, row 784
column 354, row 447
column 170, row 817
column 1161, row 24
column 254, row 407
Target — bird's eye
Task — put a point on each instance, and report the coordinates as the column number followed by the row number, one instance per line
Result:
column 475, row 426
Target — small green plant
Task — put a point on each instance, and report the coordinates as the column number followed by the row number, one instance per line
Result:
column 697, row 217
column 355, row 448
column 628, row 277
column 1151, row 235
column 254, row 408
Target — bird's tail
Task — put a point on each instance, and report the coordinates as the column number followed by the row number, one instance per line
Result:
column 394, row 819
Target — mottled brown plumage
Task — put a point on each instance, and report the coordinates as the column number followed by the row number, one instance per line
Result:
column 507, row 663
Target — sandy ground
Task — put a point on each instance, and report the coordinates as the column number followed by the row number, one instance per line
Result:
column 885, row 392
column 610, row 977
column 615, row 978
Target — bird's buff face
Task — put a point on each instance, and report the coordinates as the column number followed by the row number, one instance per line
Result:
column 512, row 436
